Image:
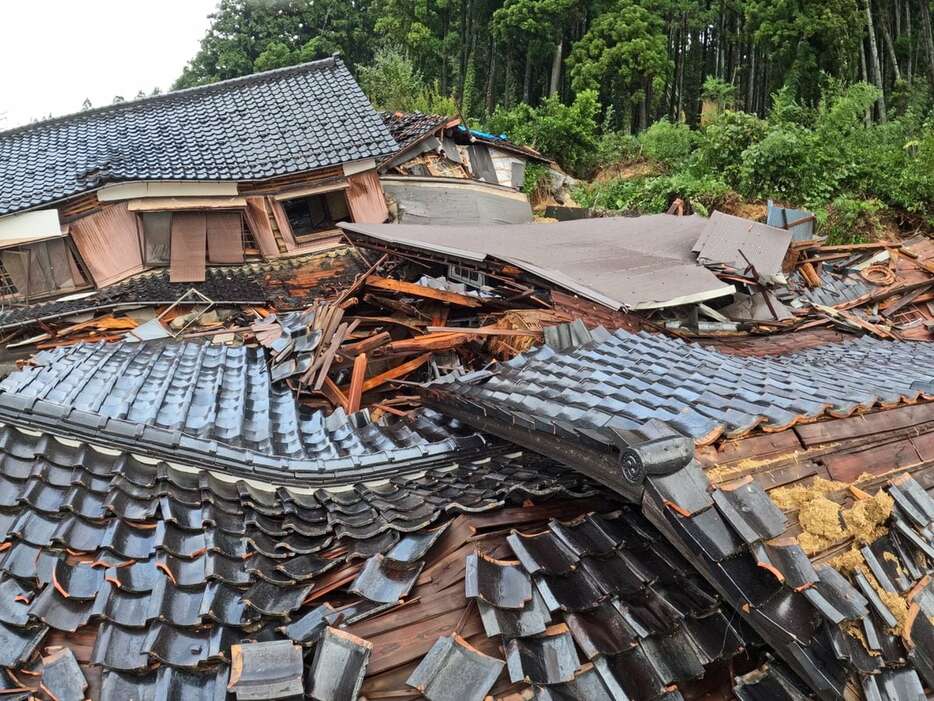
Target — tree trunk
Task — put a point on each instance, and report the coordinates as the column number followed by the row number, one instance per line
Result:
column 874, row 60
column 890, row 47
column 751, row 78
column 867, row 118
column 928, row 39
column 491, row 78
column 909, row 64
column 643, row 105
column 445, row 19
column 556, row 69
column 527, row 78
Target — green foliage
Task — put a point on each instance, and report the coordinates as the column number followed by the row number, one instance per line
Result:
column 616, row 147
column 723, row 141
column 391, row 81
column 537, row 182
column 654, row 194
column 566, row 133
column 718, row 90
column 276, row 55
column 624, row 52
column 849, row 220
column 668, row 144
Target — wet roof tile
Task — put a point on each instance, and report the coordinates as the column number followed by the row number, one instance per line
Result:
column 549, row 658
column 337, row 670
column 62, row 678
column 453, row 670
column 284, row 121
column 267, row 670
column 383, row 581
column 497, row 582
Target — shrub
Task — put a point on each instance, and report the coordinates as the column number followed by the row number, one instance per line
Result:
column 537, row 183
column 654, row 194
column 787, row 165
column 566, row 133
column 849, row 220
column 723, row 140
column 668, row 144
column 616, row 147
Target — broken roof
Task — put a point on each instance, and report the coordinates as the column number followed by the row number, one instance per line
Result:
column 212, row 403
column 260, row 126
column 842, row 594
column 621, row 262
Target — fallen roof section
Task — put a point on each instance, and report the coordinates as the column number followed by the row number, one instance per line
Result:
column 737, row 243
column 150, row 574
column 204, row 402
column 260, row 126
column 621, row 262
column 842, row 594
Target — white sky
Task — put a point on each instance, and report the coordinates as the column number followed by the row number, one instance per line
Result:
column 56, row 53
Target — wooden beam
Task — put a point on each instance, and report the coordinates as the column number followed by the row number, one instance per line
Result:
column 485, row 331
column 334, row 393
column 415, row 290
column 396, row 372
column 356, row 383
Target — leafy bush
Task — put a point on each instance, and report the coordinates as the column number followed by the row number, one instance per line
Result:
column 723, row 140
column 787, row 165
column 849, row 220
column 537, row 183
column 668, row 144
column 654, row 194
column 566, row 133
column 616, row 147
column 391, row 81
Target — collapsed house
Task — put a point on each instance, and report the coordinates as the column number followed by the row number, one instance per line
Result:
column 446, row 173
column 617, row 459
column 248, row 169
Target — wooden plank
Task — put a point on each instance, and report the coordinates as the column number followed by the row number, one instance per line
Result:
column 356, row 383
column 486, row 331
column 415, row 290
column 428, row 342
column 864, row 424
column 348, row 350
column 398, row 647
column 396, row 372
column 334, row 394
column 877, row 460
column 770, row 479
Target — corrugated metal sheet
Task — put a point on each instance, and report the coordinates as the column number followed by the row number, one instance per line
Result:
column 639, row 263
column 451, row 201
column 189, row 239
column 725, row 236
column 109, row 244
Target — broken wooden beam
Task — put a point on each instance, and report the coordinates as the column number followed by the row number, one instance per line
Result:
column 355, row 393
column 396, row 372
column 416, row 290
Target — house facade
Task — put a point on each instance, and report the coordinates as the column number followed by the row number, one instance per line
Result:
column 252, row 168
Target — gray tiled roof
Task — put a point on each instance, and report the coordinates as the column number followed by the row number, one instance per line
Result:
column 275, row 123
column 217, row 401
column 178, row 565
column 629, row 379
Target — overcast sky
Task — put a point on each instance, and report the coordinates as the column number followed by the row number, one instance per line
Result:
column 56, row 53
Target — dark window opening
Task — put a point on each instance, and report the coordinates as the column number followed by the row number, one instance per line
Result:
column 7, row 286
column 312, row 215
column 40, row 269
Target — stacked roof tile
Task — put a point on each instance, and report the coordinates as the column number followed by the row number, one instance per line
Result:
column 840, row 628
column 253, row 283
column 203, row 402
column 624, row 380
column 166, row 567
column 284, row 121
